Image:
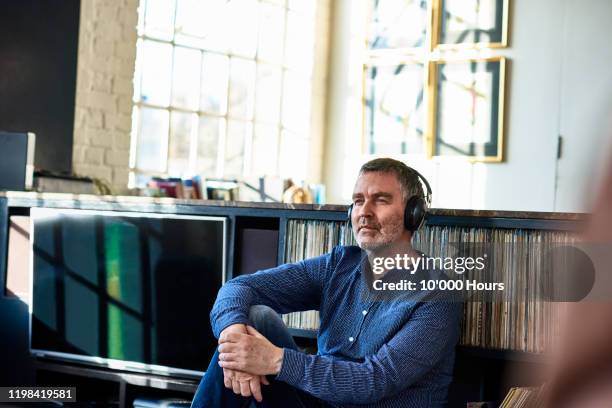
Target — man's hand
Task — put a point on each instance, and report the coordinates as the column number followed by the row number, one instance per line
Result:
column 251, row 353
column 240, row 382
column 244, row 384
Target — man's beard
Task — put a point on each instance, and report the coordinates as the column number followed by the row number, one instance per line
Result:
column 387, row 233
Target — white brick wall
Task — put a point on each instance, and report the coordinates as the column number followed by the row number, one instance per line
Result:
column 105, row 70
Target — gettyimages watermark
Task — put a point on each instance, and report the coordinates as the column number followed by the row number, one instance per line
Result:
column 457, row 264
column 508, row 272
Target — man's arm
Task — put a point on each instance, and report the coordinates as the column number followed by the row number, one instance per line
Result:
column 287, row 288
column 430, row 334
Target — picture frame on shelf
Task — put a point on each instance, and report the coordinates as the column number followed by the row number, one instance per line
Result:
column 467, row 113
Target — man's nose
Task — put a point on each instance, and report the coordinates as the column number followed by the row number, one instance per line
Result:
column 366, row 209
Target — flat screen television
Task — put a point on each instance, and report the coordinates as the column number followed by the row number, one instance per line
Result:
column 130, row 291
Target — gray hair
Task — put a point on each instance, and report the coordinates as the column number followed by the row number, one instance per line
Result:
column 410, row 185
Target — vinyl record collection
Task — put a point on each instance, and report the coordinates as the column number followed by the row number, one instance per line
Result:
column 519, row 318
column 306, row 239
column 523, row 397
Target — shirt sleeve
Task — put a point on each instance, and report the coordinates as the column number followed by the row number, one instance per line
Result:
column 287, row 288
column 431, row 334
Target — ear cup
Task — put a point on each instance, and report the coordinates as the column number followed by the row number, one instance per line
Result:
column 349, row 213
column 414, row 214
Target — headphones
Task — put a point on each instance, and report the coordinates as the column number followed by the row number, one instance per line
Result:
column 416, row 206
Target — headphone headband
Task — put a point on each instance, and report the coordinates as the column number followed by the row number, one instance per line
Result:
column 427, row 186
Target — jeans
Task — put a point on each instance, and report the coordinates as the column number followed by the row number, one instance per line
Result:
column 211, row 392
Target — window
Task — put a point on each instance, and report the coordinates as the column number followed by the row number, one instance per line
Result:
column 222, row 88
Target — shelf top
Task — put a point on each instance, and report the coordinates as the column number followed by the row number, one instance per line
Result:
column 30, row 199
column 109, row 374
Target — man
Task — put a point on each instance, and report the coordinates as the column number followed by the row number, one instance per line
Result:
column 379, row 350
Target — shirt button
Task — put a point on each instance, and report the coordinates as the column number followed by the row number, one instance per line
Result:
column 351, row 339
column 365, row 312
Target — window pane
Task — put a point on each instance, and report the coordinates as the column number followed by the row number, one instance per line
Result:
column 238, row 132
column 192, row 22
column 271, row 33
column 217, row 23
column 186, row 78
column 242, row 87
column 215, row 74
column 243, row 35
column 152, row 140
column 180, row 143
column 209, row 134
column 296, row 102
column 156, row 72
column 293, row 156
column 267, row 108
column 299, row 45
column 304, row 7
column 265, row 150
column 159, row 19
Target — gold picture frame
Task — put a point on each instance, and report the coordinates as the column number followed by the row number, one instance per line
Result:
column 401, row 128
column 454, row 132
column 412, row 15
column 500, row 29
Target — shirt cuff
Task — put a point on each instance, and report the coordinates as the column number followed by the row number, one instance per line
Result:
column 293, row 367
column 224, row 323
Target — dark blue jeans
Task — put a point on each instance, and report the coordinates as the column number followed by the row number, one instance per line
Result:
column 211, row 392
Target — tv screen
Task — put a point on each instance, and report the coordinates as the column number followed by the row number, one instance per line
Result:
column 126, row 290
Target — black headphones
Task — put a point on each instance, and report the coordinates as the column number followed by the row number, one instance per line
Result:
column 416, row 206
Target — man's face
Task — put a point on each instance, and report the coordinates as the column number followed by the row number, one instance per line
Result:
column 378, row 210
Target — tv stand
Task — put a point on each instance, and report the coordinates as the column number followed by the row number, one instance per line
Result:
column 111, row 387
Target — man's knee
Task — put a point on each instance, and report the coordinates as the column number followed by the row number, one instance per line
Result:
column 262, row 314
column 270, row 324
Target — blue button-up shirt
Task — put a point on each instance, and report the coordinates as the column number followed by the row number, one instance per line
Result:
column 395, row 350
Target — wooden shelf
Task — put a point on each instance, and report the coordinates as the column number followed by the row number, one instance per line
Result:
column 507, row 355
column 304, row 333
column 480, row 372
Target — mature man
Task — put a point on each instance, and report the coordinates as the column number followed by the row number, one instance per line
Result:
column 375, row 349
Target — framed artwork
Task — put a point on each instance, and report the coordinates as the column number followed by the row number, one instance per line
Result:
column 394, row 111
column 467, row 113
column 398, row 25
column 471, row 24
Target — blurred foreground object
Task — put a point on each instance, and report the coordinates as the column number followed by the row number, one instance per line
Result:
column 581, row 373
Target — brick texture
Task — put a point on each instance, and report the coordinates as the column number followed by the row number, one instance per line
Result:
column 107, row 54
